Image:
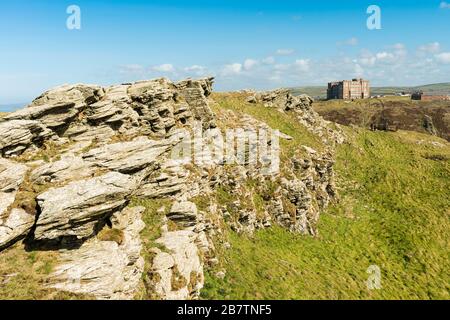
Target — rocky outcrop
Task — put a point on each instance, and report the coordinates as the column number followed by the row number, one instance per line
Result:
column 77, row 209
column 184, row 214
column 14, row 222
column 178, row 273
column 429, row 125
column 17, row 135
column 11, row 177
column 16, row 225
column 116, row 147
column 125, row 157
column 105, row 269
column 91, row 113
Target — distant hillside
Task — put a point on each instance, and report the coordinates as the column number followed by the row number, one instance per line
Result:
column 401, row 112
column 321, row 91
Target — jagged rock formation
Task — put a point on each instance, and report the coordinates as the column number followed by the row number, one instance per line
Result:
column 105, row 269
column 115, row 145
column 429, row 125
column 14, row 222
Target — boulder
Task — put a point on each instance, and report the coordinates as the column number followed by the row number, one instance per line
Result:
column 12, row 175
column 76, row 209
column 78, row 94
column 184, row 214
column 179, row 271
column 128, row 157
column 124, row 157
column 15, row 226
column 18, row 135
column 105, row 269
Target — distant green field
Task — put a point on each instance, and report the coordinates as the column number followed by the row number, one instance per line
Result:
column 321, row 91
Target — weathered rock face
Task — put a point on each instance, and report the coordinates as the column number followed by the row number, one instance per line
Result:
column 16, row 225
column 11, row 177
column 15, row 222
column 17, row 135
column 184, row 214
column 125, row 157
column 76, row 209
column 105, row 269
column 179, row 272
column 91, row 113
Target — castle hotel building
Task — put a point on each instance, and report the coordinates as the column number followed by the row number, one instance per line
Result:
column 349, row 89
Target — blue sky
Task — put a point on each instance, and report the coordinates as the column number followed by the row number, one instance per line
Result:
column 244, row 44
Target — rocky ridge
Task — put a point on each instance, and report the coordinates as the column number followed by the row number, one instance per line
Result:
column 73, row 161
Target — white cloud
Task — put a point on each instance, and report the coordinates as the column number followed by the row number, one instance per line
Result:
column 399, row 46
column 349, row 42
column 302, row 64
column 281, row 67
column 268, row 60
column 399, row 50
column 195, row 70
column 167, row 67
column 443, row 57
column 285, row 52
column 433, row 47
column 132, row 69
column 368, row 61
column 232, row 69
column 444, row 5
column 382, row 56
column 249, row 64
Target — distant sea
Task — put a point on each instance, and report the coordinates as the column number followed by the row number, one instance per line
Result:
column 11, row 107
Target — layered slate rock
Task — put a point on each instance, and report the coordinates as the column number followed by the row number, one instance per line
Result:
column 14, row 222
column 77, row 208
column 184, row 214
column 92, row 113
column 105, row 269
column 124, row 157
column 179, row 270
column 12, row 175
column 15, row 226
column 128, row 157
column 17, row 135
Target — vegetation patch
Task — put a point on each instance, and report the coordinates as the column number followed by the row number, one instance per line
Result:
column 112, row 234
column 393, row 214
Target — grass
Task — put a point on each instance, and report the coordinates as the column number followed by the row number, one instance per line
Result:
column 23, row 275
column 394, row 213
column 152, row 218
column 284, row 122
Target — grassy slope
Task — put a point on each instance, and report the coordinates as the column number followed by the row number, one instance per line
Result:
column 393, row 213
column 276, row 120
